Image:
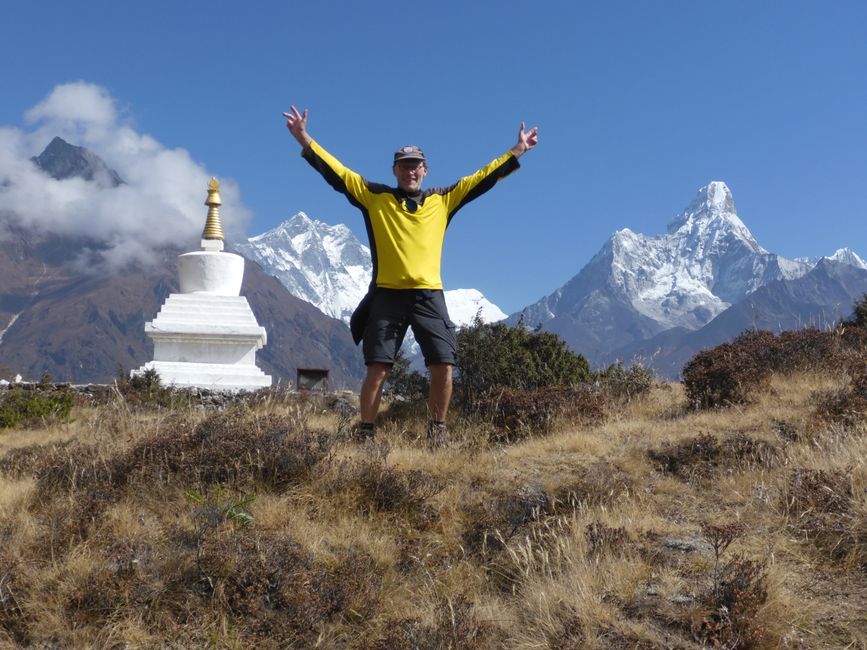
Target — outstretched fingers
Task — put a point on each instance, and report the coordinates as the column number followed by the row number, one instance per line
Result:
column 533, row 136
column 295, row 115
column 528, row 138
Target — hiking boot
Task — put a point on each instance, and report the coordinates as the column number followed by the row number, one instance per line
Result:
column 437, row 434
column 363, row 431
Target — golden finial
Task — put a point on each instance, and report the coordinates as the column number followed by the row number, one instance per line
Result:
column 213, row 225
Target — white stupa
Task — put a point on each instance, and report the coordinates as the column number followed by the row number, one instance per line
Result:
column 207, row 336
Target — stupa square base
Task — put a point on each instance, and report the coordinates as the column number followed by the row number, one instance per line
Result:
column 213, row 376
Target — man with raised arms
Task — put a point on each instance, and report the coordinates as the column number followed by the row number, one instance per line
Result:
column 406, row 227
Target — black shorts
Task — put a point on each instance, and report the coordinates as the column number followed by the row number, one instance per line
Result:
column 393, row 310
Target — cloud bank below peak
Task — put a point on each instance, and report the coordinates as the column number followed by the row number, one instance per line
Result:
column 161, row 202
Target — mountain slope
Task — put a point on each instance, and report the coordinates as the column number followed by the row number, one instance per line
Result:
column 325, row 265
column 62, row 160
column 80, row 324
column 82, row 327
column 821, row 298
column 639, row 286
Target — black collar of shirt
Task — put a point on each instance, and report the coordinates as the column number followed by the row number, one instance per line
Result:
column 418, row 197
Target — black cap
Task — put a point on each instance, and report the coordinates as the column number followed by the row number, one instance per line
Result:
column 408, row 152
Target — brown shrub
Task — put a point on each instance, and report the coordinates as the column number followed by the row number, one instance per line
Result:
column 276, row 589
column 405, row 413
column 374, row 485
column 703, row 456
column 605, row 539
column 598, row 483
column 727, row 373
column 817, row 490
column 518, row 414
column 69, row 521
column 225, row 448
column 455, row 625
column 269, row 589
column 15, row 623
column 62, row 469
column 730, row 373
column 736, row 621
column 229, row 448
column 804, row 350
column 847, row 405
column 854, row 338
column 496, row 520
column 820, row 507
column 155, row 581
column 26, row 461
column 93, row 601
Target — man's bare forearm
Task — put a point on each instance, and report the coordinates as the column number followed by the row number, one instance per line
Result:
column 303, row 139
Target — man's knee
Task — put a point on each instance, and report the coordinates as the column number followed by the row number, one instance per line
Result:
column 378, row 371
column 440, row 372
column 445, row 368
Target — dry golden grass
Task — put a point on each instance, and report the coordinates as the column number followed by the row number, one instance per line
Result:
column 276, row 529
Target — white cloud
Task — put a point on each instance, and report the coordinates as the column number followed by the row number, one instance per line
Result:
column 161, row 203
column 76, row 103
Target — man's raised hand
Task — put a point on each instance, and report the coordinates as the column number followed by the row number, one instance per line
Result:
column 526, row 140
column 296, row 122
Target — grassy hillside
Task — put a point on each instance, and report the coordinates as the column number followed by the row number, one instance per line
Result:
column 647, row 524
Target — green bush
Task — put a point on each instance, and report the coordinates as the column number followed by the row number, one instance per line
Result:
column 146, row 390
column 492, row 355
column 859, row 314
column 406, row 382
column 19, row 406
column 620, row 382
column 142, row 387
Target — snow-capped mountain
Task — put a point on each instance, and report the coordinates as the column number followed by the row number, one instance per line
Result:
column 842, row 255
column 820, row 299
column 464, row 304
column 325, row 265
column 638, row 285
column 330, row 268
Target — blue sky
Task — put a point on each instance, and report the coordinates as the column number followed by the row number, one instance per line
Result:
column 638, row 103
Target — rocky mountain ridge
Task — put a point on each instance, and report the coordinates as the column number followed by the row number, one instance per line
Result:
column 62, row 160
column 638, row 286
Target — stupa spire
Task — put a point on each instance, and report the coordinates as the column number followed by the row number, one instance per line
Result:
column 213, row 232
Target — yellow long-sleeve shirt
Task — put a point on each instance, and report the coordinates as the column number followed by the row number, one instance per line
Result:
column 406, row 245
